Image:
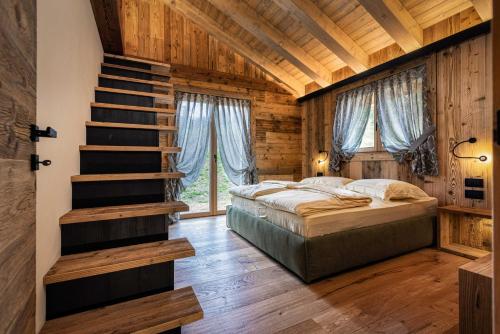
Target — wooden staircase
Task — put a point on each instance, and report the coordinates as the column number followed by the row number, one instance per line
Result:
column 116, row 272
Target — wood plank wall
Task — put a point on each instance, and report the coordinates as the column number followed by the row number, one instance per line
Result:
column 151, row 30
column 460, row 98
column 17, row 181
column 200, row 63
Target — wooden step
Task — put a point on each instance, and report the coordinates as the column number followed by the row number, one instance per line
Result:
column 137, row 60
column 72, row 267
column 151, row 315
column 132, row 108
column 135, row 69
column 122, row 211
column 125, row 177
column 164, row 149
column 147, row 82
column 133, row 92
column 131, row 126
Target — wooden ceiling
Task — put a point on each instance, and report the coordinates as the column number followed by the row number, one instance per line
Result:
column 304, row 41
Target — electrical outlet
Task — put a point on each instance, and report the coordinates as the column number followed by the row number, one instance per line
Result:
column 319, row 174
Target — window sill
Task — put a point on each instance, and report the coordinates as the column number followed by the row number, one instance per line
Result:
column 372, row 156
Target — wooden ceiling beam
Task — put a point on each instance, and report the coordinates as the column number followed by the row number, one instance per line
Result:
column 327, row 32
column 217, row 30
column 250, row 20
column 396, row 21
column 484, row 8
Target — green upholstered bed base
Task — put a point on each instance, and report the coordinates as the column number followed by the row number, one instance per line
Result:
column 318, row 257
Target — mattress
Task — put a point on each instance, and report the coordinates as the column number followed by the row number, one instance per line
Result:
column 378, row 212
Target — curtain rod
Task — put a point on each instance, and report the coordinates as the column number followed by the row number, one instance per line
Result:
column 480, row 29
column 211, row 92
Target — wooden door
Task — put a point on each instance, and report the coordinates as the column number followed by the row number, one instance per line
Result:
column 17, row 182
column 496, row 167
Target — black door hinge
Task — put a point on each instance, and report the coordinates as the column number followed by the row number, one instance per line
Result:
column 36, row 133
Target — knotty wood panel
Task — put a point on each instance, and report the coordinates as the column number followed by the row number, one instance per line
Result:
column 17, row 210
column 471, row 231
column 151, row 30
column 475, row 290
column 459, row 95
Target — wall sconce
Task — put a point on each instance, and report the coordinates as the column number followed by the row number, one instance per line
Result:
column 471, row 140
column 323, row 155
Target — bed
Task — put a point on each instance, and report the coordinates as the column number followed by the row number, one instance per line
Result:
column 323, row 244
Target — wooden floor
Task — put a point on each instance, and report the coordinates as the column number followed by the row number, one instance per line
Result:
column 243, row 291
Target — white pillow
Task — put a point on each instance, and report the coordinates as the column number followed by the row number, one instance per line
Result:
column 332, row 181
column 386, row 189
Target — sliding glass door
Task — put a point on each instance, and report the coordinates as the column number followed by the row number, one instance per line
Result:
column 209, row 194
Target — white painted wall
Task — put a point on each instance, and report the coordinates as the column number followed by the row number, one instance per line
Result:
column 69, row 53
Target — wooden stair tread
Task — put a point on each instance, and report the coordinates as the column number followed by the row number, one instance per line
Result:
column 132, row 92
column 125, row 177
column 72, row 267
column 135, row 69
column 137, row 60
column 132, row 108
column 131, row 126
column 152, row 314
column 148, row 82
column 166, row 149
column 121, row 211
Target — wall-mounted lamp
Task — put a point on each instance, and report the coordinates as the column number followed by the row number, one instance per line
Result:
column 471, row 140
column 323, row 155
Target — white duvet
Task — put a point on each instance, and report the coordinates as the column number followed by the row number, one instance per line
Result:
column 306, row 200
column 252, row 191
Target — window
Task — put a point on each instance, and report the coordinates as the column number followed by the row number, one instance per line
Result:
column 370, row 137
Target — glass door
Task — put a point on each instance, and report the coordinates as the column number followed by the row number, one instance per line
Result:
column 209, row 195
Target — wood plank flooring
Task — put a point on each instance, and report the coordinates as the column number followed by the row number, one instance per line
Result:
column 241, row 290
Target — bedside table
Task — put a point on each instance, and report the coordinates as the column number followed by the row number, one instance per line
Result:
column 475, row 280
column 452, row 214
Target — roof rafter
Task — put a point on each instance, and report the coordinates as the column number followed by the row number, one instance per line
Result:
column 213, row 27
column 250, row 20
column 327, row 32
column 396, row 21
column 484, row 8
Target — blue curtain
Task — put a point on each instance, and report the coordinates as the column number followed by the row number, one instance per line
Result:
column 193, row 116
column 406, row 127
column 232, row 124
column 351, row 117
